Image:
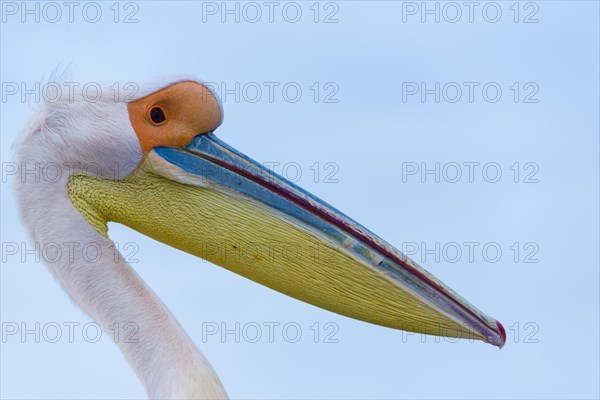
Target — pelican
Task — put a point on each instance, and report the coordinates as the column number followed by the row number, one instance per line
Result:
column 178, row 183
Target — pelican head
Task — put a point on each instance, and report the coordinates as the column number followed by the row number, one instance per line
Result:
column 154, row 163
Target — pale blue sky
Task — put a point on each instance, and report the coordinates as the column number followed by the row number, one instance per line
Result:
column 367, row 57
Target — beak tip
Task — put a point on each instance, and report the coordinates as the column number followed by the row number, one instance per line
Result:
column 502, row 333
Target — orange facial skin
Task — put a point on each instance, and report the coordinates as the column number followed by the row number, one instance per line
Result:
column 189, row 108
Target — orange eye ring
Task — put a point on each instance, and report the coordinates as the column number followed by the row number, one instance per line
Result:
column 189, row 108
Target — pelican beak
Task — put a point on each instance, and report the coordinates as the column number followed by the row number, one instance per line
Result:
column 212, row 201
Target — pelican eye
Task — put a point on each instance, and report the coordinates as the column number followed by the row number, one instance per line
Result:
column 157, row 115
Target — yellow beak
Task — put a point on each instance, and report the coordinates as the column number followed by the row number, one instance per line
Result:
column 210, row 200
